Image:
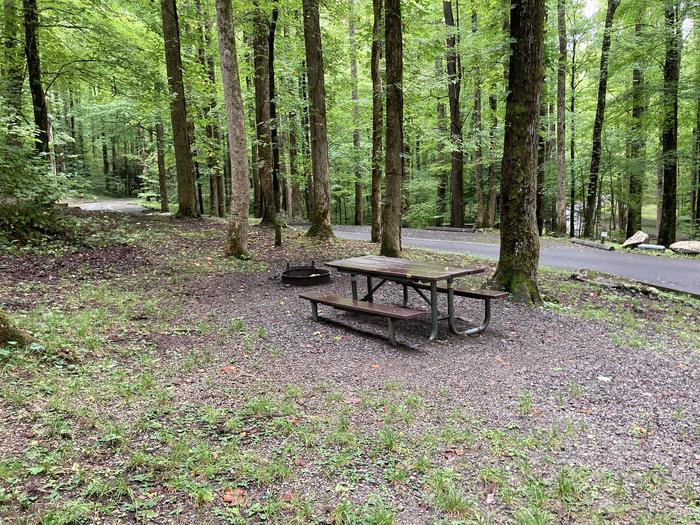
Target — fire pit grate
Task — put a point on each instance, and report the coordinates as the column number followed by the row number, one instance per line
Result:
column 305, row 275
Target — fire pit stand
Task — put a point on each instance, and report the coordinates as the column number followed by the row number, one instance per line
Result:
column 306, row 275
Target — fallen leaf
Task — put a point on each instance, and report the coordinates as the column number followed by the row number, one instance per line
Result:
column 375, row 365
column 287, row 496
column 299, row 462
column 229, row 369
column 235, row 497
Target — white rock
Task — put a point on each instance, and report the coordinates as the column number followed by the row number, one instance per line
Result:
column 686, row 247
column 638, row 238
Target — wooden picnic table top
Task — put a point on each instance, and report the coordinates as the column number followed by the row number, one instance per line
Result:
column 375, row 265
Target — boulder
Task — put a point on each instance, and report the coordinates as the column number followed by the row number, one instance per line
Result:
column 686, row 247
column 638, row 238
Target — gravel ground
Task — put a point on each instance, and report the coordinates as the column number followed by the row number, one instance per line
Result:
column 539, row 395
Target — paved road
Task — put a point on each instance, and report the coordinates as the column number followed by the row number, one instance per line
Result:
column 679, row 274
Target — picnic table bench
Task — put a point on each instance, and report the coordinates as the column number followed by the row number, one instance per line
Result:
column 418, row 276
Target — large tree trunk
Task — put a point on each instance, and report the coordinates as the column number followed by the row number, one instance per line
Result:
column 520, row 247
column 31, row 51
column 377, row 114
column 598, row 123
column 476, row 122
column 237, row 238
column 669, row 136
column 636, row 150
column 441, row 204
column 162, row 181
column 187, row 204
column 453, row 88
column 391, row 212
column 265, row 155
column 561, row 120
column 321, row 213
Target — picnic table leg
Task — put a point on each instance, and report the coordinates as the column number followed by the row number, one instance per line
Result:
column 405, row 296
column 370, row 295
column 314, row 311
column 392, row 331
column 434, row 310
column 353, row 284
column 452, row 318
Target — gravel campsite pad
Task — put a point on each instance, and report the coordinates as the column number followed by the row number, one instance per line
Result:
column 172, row 385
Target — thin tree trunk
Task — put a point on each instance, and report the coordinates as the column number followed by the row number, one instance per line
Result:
column 263, row 118
column 443, row 175
column 391, row 212
column 12, row 69
column 453, row 88
column 305, row 146
column 669, row 137
column 355, row 116
column 377, row 114
column 476, row 121
column 31, row 51
column 637, row 171
column 293, row 168
column 237, row 238
column 274, row 121
column 520, row 247
column 572, row 140
column 541, row 157
column 561, row 120
column 162, row 180
column 696, row 158
column 105, row 162
column 321, row 214
column 598, row 122
column 187, row 205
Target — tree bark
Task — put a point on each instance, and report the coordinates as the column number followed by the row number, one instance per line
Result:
column 561, row 120
column 237, row 238
column 274, row 121
column 31, row 51
column 541, row 157
column 669, row 136
column 263, row 118
column 453, row 88
column 391, row 212
column 696, row 160
column 187, row 205
column 572, row 140
column 598, row 122
column 321, row 213
column 355, row 117
column 636, row 173
column 162, row 180
column 476, row 121
column 377, row 118
column 441, row 204
column 520, row 248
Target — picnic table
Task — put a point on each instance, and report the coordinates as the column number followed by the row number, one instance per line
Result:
column 418, row 276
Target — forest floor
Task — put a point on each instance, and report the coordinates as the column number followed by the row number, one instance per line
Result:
column 172, row 385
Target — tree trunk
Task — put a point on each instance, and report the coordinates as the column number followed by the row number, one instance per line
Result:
column 237, row 238
column 453, row 88
column 478, row 154
column 263, row 118
column 12, row 69
column 441, row 204
column 274, row 121
column 391, row 212
column 187, row 205
column 636, row 173
column 355, row 117
column 31, row 51
column 669, row 136
column 561, row 120
column 377, row 114
column 321, row 213
column 162, row 180
column 520, row 247
column 105, row 163
column 696, row 159
column 598, row 122
column 541, row 157
column 490, row 217
column 572, row 140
